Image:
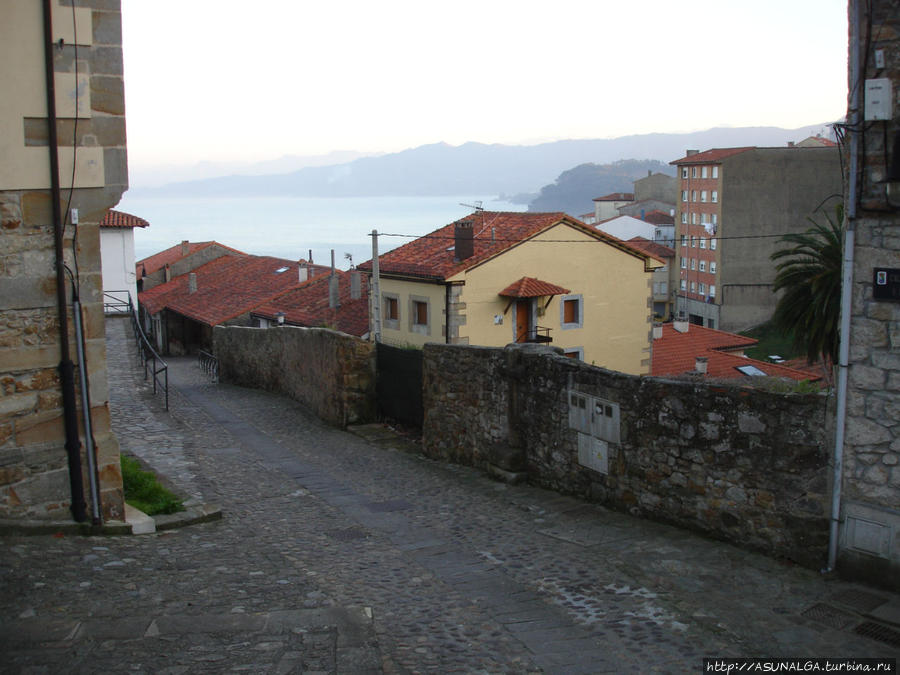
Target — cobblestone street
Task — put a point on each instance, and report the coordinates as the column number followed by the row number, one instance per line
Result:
column 342, row 555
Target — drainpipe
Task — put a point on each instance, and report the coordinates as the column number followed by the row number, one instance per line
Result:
column 846, row 290
column 93, row 480
column 66, row 367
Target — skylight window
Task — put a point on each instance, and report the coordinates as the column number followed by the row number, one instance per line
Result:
column 281, row 269
column 752, row 371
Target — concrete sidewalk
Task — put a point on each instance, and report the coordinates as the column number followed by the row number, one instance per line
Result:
column 343, row 552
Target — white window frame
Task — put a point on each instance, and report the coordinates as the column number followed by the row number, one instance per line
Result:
column 714, row 196
column 684, row 240
column 693, row 287
column 693, row 172
column 683, row 285
column 683, row 263
column 693, row 264
column 715, row 172
column 712, row 244
column 693, row 195
column 702, row 288
column 703, row 242
column 684, row 217
column 703, row 171
column 562, row 311
column 712, row 266
column 712, row 290
column 702, row 265
column 684, row 195
column 703, row 196
column 684, row 172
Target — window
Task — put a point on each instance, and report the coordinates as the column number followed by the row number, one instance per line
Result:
column 703, row 171
column 693, row 219
column 703, row 196
column 702, row 265
column 715, row 172
column 702, row 242
column 390, row 309
column 684, row 195
column 574, row 353
column 684, row 240
column 660, row 288
column 693, row 263
column 693, row 172
column 714, row 197
column 702, row 288
column 684, row 217
column 693, row 195
column 703, row 218
column 715, row 219
column 419, row 315
column 683, row 263
column 684, row 172
column 712, row 244
column 683, row 285
column 693, row 242
column 693, row 287
column 712, row 268
column 571, row 308
column 712, row 290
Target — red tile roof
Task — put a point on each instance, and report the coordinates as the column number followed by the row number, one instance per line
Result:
column 121, row 219
column 433, row 256
column 657, row 217
column 653, row 248
column 528, row 287
column 226, row 288
column 711, row 156
column 307, row 305
column 676, row 353
column 616, row 197
column 159, row 260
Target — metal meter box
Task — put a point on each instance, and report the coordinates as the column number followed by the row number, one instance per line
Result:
column 598, row 424
column 879, row 99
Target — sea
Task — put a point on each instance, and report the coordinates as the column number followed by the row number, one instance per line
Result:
column 291, row 227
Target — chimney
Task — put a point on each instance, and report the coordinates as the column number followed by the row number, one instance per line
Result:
column 303, row 271
column 700, row 364
column 649, row 173
column 355, row 285
column 310, row 257
column 657, row 331
column 464, row 239
column 790, row 144
column 691, row 152
column 168, row 273
column 681, row 325
column 192, row 283
column 185, row 247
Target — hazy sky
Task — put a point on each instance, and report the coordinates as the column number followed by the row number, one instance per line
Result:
column 223, row 80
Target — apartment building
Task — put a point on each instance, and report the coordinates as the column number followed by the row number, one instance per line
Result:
column 733, row 206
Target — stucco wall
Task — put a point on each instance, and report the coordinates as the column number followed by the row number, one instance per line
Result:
column 743, row 465
column 402, row 332
column 117, row 252
column 34, row 480
column 330, row 372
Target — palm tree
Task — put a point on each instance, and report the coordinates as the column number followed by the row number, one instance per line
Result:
column 810, row 276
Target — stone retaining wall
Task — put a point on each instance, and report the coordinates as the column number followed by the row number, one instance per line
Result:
column 740, row 464
column 332, row 373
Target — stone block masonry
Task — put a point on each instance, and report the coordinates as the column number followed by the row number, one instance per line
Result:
column 332, row 373
column 742, row 465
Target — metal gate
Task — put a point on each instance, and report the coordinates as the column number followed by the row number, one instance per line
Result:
column 399, row 384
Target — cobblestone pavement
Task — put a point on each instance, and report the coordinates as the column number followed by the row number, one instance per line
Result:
column 340, row 554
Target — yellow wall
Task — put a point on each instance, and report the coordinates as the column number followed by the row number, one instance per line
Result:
column 23, row 96
column 405, row 334
column 615, row 289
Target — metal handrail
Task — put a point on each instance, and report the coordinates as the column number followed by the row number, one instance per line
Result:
column 149, row 357
column 209, row 364
column 536, row 334
column 116, row 302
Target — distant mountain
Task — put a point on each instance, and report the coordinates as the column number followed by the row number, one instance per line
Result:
column 575, row 189
column 472, row 168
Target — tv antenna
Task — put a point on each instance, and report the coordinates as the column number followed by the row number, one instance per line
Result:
column 477, row 205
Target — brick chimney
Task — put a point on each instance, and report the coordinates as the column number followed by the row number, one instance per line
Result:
column 185, row 247
column 657, row 331
column 303, row 271
column 464, row 239
column 192, row 283
column 355, row 285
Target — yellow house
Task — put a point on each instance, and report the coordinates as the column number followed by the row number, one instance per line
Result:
column 499, row 277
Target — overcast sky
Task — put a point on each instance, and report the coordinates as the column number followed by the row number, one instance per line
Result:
column 223, row 80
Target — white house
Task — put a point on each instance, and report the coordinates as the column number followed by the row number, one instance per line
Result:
column 117, row 256
column 628, row 227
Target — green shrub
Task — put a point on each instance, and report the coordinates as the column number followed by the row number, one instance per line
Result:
column 143, row 491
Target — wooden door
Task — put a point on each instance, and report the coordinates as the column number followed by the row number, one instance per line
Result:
column 522, row 320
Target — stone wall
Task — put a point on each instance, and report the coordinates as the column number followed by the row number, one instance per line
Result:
column 34, row 476
column 870, row 518
column 742, row 465
column 330, row 372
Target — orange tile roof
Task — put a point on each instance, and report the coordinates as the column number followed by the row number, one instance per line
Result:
column 115, row 218
column 711, row 156
column 159, row 260
column 528, row 287
column 433, row 256
column 307, row 305
column 653, row 248
column 226, row 288
column 657, row 217
column 616, row 197
column 676, row 353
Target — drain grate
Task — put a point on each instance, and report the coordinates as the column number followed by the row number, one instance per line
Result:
column 349, row 534
column 861, row 601
column 876, row 631
column 829, row 616
column 389, row 506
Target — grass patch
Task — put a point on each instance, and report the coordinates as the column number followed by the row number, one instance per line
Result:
column 771, row 341
column 143, row 491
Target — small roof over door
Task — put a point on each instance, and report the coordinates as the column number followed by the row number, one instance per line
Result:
column 529, row 287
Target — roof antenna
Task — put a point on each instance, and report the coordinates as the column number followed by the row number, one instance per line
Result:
column 477, row 205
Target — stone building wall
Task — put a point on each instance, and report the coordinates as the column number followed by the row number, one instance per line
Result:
column 34, row 478
column 330, row 372
column 742, row 465
column 870, row 519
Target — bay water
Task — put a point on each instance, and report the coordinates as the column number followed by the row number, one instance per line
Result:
column 288, row 227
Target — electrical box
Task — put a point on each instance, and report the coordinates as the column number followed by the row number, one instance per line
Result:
column 879, row 99
column 598, row 423
column 886, row 284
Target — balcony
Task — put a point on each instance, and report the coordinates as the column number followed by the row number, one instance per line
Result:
column 537, row 334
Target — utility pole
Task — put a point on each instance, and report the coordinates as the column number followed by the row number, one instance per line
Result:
column 376, row 290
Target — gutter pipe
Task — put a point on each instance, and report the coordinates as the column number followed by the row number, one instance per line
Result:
column 66, row 367
column 846, row 289
column 93, row 481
